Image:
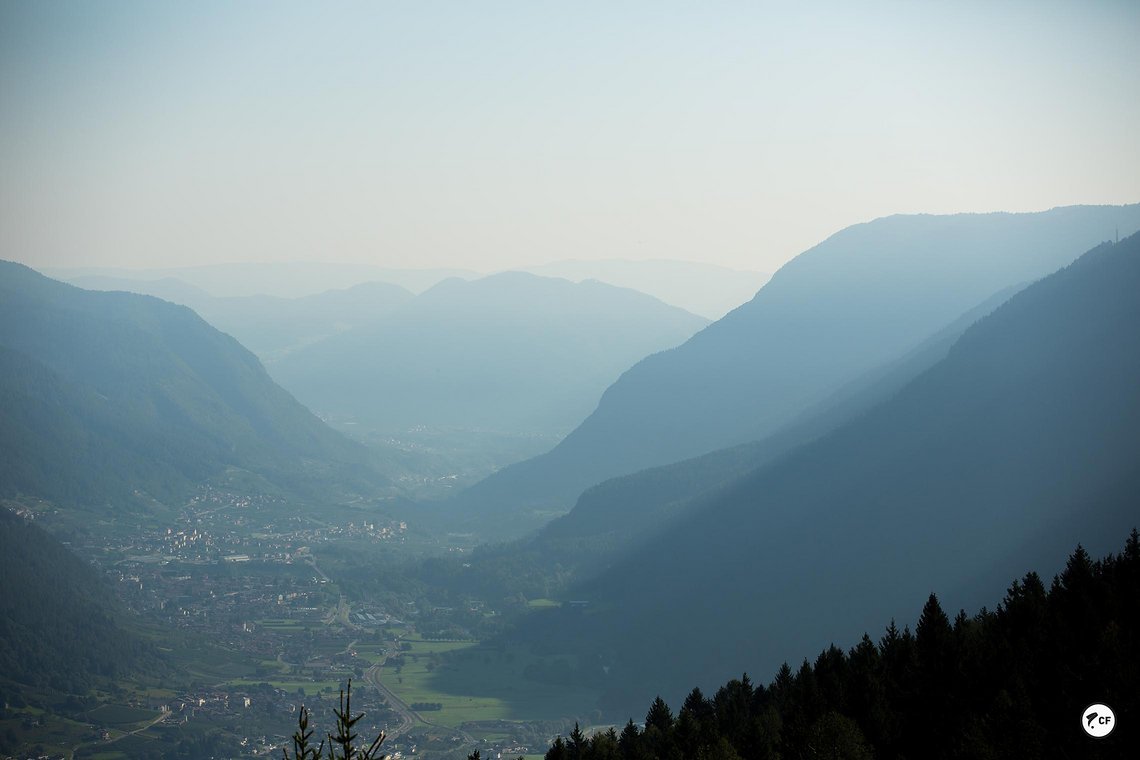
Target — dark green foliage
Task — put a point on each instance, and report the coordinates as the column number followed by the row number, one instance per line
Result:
column 1010, row 683
column 58, row 620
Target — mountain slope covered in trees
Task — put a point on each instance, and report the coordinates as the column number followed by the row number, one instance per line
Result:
column 853, row 302
column 115, row 397
column 59, row 627
column 1007, row 683
column 1021, row 441
column 619, row 514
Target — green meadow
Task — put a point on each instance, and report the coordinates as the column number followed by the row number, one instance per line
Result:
column 478, row 683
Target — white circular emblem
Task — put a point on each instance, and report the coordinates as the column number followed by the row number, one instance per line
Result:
column 1098, row 720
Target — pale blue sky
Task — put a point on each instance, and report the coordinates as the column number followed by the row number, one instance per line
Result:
column 483, row 135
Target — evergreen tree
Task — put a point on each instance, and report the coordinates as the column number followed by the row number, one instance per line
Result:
column 578, row 744
column 998, row 684
column 557, row 750
column 629, row 744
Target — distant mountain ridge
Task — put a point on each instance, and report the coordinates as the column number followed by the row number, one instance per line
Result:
column 705, row 289
column 859, row 299
column 111, row 395
column 510, row 352
column 618, row 515
column 282, row 279
column 270, row 326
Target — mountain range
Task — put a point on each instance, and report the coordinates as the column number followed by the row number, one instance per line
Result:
column 510, row 352
column 856, row 301
column 705, row 289
column 120, row 399
column 1020, row 442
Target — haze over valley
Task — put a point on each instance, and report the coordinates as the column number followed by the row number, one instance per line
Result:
column 580, row 384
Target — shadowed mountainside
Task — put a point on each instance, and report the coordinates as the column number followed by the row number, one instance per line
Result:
column 854, row 302
column 114, row 397
column 1020, row 442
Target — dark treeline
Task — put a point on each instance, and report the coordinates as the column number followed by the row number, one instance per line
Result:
column 1011, row 682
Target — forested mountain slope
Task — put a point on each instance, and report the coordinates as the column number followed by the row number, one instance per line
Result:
column 621, row 513
column 855, row 301
column 59, row 627
column 115, row 397
column 1010, row 683
column 1021, row 442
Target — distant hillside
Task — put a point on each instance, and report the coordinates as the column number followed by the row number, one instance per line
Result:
column 705, row 289
column 115, row 397
column 273, row 327
column 58, row 620
column 859, row 299
column 1021, row 442
column 511, row 352
column 613, row 517
column 270, row 326
column 284, row 279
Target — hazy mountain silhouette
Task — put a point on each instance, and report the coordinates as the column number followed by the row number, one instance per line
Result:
column 619, row 514
column 705, row 289
column 167, row 288
column 271, row 326
column 510, row 352
column 855, row 301
column 285, row 279
column 108, row 396
column 1022, row 441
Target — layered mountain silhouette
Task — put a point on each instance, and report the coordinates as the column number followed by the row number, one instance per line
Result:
column 284, row 279
column 511, row 352
column 622, row 513
column 706, row 289
column 854, row 302
column 270, row 326
column 1021, row 441
column 117, row 398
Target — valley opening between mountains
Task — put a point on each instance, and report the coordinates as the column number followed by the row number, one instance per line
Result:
column 882, row 503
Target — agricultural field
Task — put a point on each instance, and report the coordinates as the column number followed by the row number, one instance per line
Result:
column 120, row 715
column 477, row 683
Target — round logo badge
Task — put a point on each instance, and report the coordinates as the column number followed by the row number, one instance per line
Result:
column 1098, row 720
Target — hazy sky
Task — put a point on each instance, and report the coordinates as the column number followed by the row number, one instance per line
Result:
column 486, row 134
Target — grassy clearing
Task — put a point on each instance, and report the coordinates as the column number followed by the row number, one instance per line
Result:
column 475, row 684
column 56, row 734
column 543, row 603
column 120, row 715
column 371, row 655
